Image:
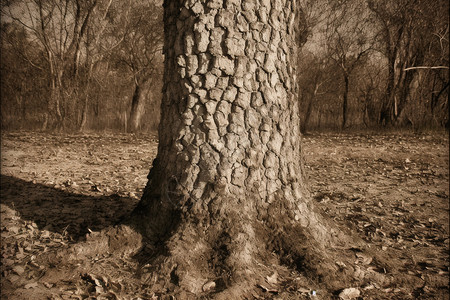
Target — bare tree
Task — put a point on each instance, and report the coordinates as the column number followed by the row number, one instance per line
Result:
column 59, row 27
column 21, row 75
column 314, row 76
column 348, row 41
column 94, row 51
column 407, row 31
column 138, row 27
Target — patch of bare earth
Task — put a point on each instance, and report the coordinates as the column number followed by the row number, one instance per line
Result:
column 61, row 196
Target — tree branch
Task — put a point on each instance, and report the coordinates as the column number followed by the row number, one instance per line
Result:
column 425, row 67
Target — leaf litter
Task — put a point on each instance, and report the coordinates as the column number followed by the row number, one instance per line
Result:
column 59, row 190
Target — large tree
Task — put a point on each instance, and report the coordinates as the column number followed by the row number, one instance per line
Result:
column 226, row 190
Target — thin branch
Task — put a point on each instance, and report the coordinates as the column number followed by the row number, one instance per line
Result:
column 425, row 67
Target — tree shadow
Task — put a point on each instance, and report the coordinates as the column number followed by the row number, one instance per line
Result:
column 62, row 211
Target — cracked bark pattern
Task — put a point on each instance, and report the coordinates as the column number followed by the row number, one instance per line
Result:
column 229, row 157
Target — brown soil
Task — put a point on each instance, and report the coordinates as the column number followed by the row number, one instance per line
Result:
column 61, row 196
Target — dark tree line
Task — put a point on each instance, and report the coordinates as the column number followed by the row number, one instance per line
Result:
column 376, row 64
column 77, row 65
column 97, row 64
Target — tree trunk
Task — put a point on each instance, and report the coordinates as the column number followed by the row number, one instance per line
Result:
column 84, row 114
column 345, row 101
column 387, row 108
column 137, row 106
column 226, row 189
column 307, row 115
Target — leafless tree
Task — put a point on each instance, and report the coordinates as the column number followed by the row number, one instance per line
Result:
column 59, row 27
column 407, row 30
column 348, row 39
column 138, row 27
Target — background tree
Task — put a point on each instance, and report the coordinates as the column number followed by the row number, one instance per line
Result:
column 103, row 57
column 97, row 50
column 315, row 78
column 370, row 90
column 407, row 30
column 21, row 76
column 94, row 53
column 139, row 50
column 348, row 40
column 59, row 27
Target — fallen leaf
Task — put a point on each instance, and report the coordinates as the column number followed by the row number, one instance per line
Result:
column 303, row 290
column 13, row 278
column 19, row 270
column 341, row 264
column 349, row 293
column 273, row 279
column 45, row 234
column 14, row 229
column 31, row 285
column 363, row 258
column 209, row 286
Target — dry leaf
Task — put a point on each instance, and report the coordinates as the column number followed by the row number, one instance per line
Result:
column 303, row 290
column 31, row 285
column 19, row 270
column 349, row 293
column 341, row 264
column 13, row 278
column 14, row 229
column 209, row 286
column 273, row 279
column 363, row 258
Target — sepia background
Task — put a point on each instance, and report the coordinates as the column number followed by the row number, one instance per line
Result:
column 97, row 65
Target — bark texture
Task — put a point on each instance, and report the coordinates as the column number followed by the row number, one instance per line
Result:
column 228, row 175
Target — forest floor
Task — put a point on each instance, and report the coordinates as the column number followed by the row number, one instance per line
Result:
column 58, row 191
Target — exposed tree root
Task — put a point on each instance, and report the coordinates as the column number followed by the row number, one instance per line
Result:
column 231, row 257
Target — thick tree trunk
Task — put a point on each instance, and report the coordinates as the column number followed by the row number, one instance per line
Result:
column 226, row 188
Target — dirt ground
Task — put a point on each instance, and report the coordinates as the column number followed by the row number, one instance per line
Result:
column 58, row 191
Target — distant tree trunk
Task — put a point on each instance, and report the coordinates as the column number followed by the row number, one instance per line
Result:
column 387, row 108
column 307, row 115
column 309, row 107
column 84, row 113
column 44, row 125
column 345, row 101
column 226, row 189
column 137, row 107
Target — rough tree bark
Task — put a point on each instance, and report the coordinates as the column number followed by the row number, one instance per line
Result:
column 226, row 188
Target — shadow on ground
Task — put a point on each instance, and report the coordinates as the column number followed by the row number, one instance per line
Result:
column 61, row 211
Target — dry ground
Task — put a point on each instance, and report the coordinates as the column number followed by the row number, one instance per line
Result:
column 59, row 191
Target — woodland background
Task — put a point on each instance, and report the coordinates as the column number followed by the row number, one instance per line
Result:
column 88, row 65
